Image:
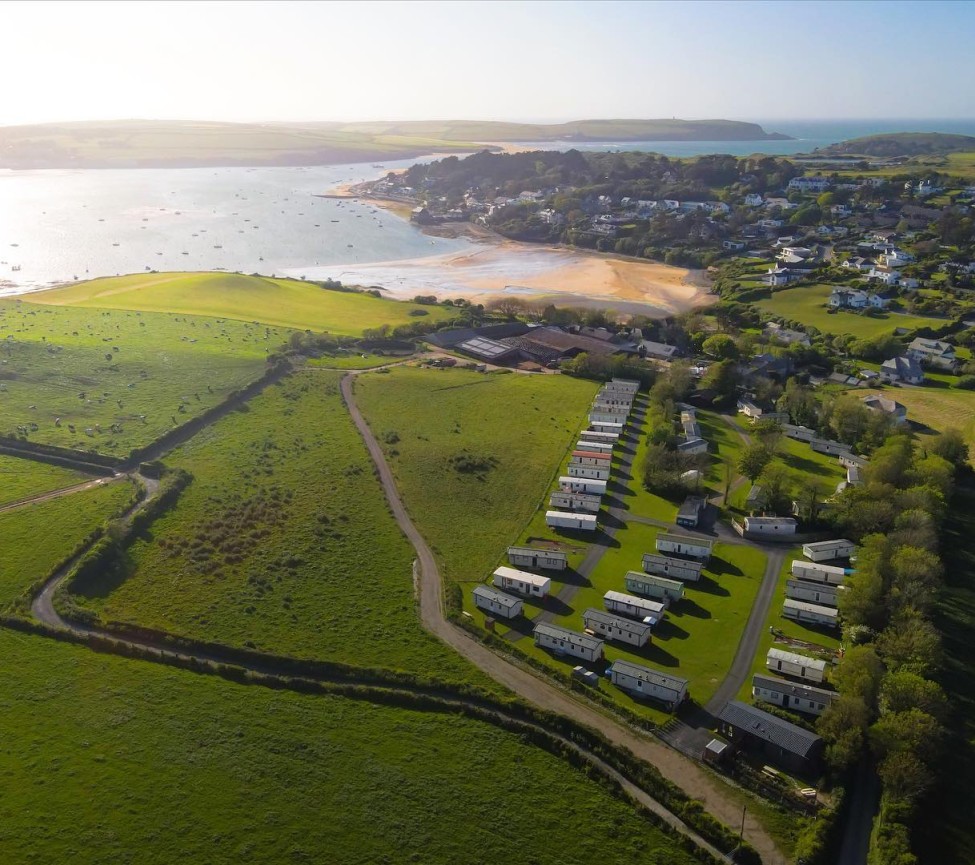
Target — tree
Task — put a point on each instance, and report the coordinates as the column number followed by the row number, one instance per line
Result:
column 720, row 346
column 843, row 725
column 800, row 402
column 951, row 446
column 903, row 690
column 911, row 731
column 753, row 460
column 859, row 675
column 769, row 434
column 777, row 486
column 915, row 528
column 916, row 578
column 722, row 378
column 911, row 643
column 849, row 418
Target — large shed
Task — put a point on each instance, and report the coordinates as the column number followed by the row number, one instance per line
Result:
column 778, row 741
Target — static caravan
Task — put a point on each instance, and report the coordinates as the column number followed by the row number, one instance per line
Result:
column 617, row 628
column 575, row 501
column 690, row 511
column 613, row 405
column 545, row 560
column 631, row 605
column 770, row 527
column 607, row 426
column 810, row 614
column 513, row 580
column 814, row 572
column 814, row 593
column 599, row 418
column 677, row 569
column 597, row 447
column 692, row 446
column 651, row 586
column 611, row 398
column 641, row 681
column 596, row 473
column 565, row 520
column 497, row 603
column 799, row 433
column 853, row 461
column 562, row 641
column 582, row 485
column 682, row 545
column 592, row 458
column 624, row 385
column 781, row 661
column 590, row 435
column 789, row 695
column 825, row 446
column 824, row 551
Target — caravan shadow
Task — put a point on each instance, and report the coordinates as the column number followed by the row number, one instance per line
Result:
column 667, row 629
column 721, row 566
column 687, row 607
column 709, row 586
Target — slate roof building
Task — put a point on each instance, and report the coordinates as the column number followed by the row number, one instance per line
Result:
column 780, row 742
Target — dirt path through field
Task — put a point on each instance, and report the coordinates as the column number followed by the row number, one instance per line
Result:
column 56, row 494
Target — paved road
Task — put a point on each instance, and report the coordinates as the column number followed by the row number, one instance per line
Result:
column 56, row 494
column 859, row 820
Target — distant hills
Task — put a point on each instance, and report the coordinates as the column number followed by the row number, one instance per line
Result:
column 901, row 144
column 180, row 144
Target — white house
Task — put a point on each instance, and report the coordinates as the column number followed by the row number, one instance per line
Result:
column 582, row 485
column 789, row 695
column 575, row 501
column 683, row 545
column 883, row 274
column 846, row 298
column 779, row 276
column 650, row 586
column 814, row 593
column 905, row 369
column 809, row 184
column 564, row 520
column 513, row 580
column 497, row 603
column 860, row 265
column 532, row 557
column 754, row 199
column 590, row 472
column 824, row 551
column 933, row 351
column 769, row 526
column 894, row 257
column 631, row 605
column 817, row 572
column 677, row 569
column 617, row 628
column 563, row 641
column 792, row 664
column 811, row 614
column 641, row 681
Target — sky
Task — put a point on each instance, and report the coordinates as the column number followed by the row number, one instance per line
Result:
column 544, row 61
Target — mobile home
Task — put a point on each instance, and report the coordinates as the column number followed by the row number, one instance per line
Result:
column 575, row 501
column 596, row 473
column 565, row 520
column 641, row 681
column 651, row 586
column 531, row 557
column 582, row 485
column 617, row 628
column 606, row 426
column 678, row 569
column 792, row 664
column 610, row 420
column 611, row 398
column 497, row 603
column 591, row 435
column 770, row 527
column 810, row 614
column 682, row 545
column 824, row 551
column 813, row 593
column 591, row 458
column 689, row 514
column 814, row 572
column 789, row 695
column 825, row 446
column 562, row 641
column 513, row 580
column 624, row 385
column 631, row 605
column 598, row 447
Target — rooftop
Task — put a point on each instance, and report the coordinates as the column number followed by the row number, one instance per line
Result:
column 638, row 671
column 793, row 689
column 490, row 594
column 612, row 620
column 790, row 737
column 574, row 637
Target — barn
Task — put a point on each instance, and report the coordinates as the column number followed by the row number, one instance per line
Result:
column 781, row 742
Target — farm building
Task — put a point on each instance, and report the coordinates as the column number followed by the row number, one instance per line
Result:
column 562, row 641
column 682, row 545
column 810, row 614
column 814, row 593
column 591, row 458
column 778, row 741
column 690, row 511
column 575, row 501
column 769, row 527
column 487, row 349
column 631, row 605
column 826, row 446
column 565, row 520
column 513, row 580
column 596, row 473
column 598, row 447
column 497, row 603
column 652, row 586
column 677, row 569
column 781, row 661
column 824, row 551
column 606, row 426
column 617, row 628
column 624, row 385
column 582, row 485
column 816, row 572
column 530, row 557
column 641, row 681
column 590, row 435
column 789, row 695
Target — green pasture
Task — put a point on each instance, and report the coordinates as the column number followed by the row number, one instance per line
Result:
column 21, row 479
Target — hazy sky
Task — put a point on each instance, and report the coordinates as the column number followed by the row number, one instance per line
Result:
column 498, row 60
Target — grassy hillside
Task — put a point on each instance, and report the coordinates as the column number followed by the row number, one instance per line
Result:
column 21, row 479
column 902, row 144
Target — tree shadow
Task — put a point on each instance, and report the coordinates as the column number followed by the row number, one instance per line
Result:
column 688, row 607
column 720, row 566
column 667, row 629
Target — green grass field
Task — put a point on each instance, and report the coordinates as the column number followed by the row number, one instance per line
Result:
column 807, row 305
column 21, row 479
column 288, row 303
column 283, row 541
column 25, row 558
column 111, row 760
column 430, row 419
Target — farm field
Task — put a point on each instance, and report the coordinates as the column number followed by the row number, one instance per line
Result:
column 288, row 303
column 807, row 305
column 62, row 524
column 191, row 768
column 282, row 542
column 474, row 455
column 20, row 479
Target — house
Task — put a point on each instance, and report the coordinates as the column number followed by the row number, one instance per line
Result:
column 651, row 586
column 790, row 695
column 617, row 628
column 753, row 199
column 678, row 569
column 792, row 664
column 779, row 276
column 682, row 545
column 845, row 298
column 690, row 511
column 562, row 641
column 582, row 485
column 790, row 337
column 824, row 551
column 598, row 473
column 513, row 580
column 657, row 350
column 817, row 572
column 636, row 608
column 497, row 603
column 889, row 407
column 733, row 245
column 640, row 681
column 884, row 274
column 564, row 520
column 782, row 203
column 532, row 557
column 893, row 257
column 575, row 501
column 905, row 369
column 812, row 183
column 780, row 742
column 860, row 265
column 810, row 614
column 766, row 527
column 814, row 593
column 934, row 352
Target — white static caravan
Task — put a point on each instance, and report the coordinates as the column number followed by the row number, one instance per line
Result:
column 617, row 628
column 590, row 435
column 607, row 426
column 799, row 433
column 596, row 473
column 575, row 501
column 770, row 527
column 592, row 458
column 781, row 661
column 513, row 580
column 651, row 586
column 814, row 572
column 683, row 545
column 565, row 520
column 677, row 569
column 813, row 593
column 641, row 681
column 545, row 560
column 826, row 446
column 824, row 551
column 811, row 614
column 610, row 399
column 789, row 695
column 597, row 447
column 599, row 418
column 497, row 603
column 582, row 485
column 624, row 385
column 562, row 641
column 631, row 605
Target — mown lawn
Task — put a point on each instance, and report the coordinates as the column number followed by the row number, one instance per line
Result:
column 21, row 479
column 289, row 303
column 111, row 760
column 282, row 542
column 35, row 538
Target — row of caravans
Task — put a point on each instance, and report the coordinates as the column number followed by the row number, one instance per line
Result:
column 812, row 595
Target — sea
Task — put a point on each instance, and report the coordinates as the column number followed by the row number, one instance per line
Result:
column 58, row 226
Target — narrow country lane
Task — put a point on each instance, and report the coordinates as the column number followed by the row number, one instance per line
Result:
column 57, row 494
